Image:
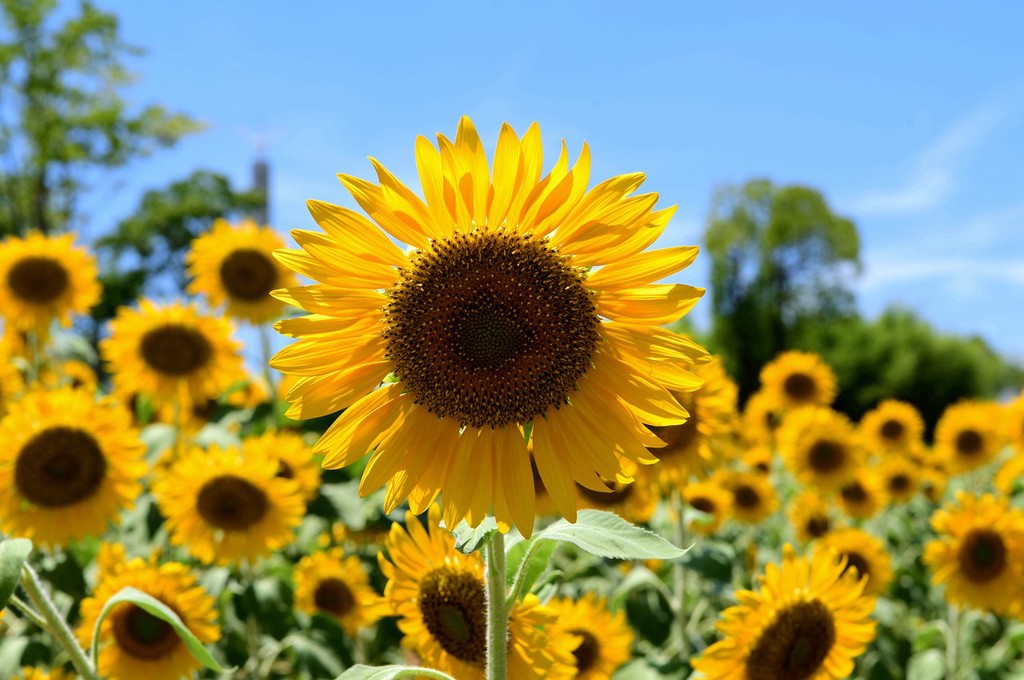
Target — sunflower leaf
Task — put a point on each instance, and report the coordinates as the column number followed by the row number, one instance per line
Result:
column 13, row 553
column 525, row 562
column 153, row 606
column 361, row 672
column 607, row 535
column 469, row 539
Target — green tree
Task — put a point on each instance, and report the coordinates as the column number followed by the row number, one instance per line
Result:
column 64, row 119
column 781, row 262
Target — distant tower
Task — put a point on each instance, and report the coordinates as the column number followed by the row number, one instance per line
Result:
column 261, row 183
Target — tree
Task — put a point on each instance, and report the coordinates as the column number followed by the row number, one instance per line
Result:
column 63, row 114
column 781, row 262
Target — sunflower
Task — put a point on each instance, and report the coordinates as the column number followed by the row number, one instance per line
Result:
column 712, row 500
column 635, row 501
column 863, row 552
column 810, row 516
column 892, row 426
column 761, row 418
column 863, row 496
column 979, row 553
column 295, row 458
column 72, row 373
column 900, row 477
column 11, row 381
column 968, row 435
column 440, row 596
column 934, row 480
column 234, row 264
column 1010, row 478
column 795, row 379
column 135, row 644
column 700, row 443
column 225, row 507
column 753, row 496
column 809, row 620
column 29, row 673
column 817, row 444
column 524, row 304
column 43, row 278
column 172, row 353
column 603, row 638
column 68, row 466
column 338, row 586
column 1014, row 423
column 759, row 459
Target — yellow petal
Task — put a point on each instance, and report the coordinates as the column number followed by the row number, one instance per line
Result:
column 656, row 304
column 322, row 395
column 554, row 471
column 508, row 174
column 335, row 302
column 428, row 163
column 474, row 158
column 319, row 356
column 643, row 268
column 355, row 431
column 371, row 199
column 356, row 232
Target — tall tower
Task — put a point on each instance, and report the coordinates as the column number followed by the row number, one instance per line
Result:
column 261, row 183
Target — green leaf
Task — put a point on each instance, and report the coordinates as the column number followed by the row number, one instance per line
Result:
column 469, row 539
column 929, row 665
column 13, row 553
column 638, row 577
column 161, row 611
column 361, row 672
column 607, row 535
column 536, row 555
column 712, row 560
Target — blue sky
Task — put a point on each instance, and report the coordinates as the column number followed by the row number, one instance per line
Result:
column 909, row 117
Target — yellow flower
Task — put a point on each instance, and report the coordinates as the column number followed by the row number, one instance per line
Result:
column 295, row 458
column 171, row 353
column 45, row 278
column 225, row 507
column 135, row 644
column 863, row 496
column 900, row 478
column 817, row 444
column 979, row 553
column 234, row 264
column 11, row 380
column 759, row 459
column 1014, row 423
column 603, row 639
column 440, row 596
column 862, row 552
column 968, row 435
column 810, row 516
column 50, row 674
column 809, row 620
column 1010, row 478
column 338, row 586
column 635, row 501
column 753, row 496
column 712, row 500
column 761, row 419
column 892, row 426
column 68, row 466
column 524, row 303
column 795, row 379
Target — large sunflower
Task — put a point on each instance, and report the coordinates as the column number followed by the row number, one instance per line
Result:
column 339, row 586
column 225, row 507
column 68, row 466
column 43, row 278
column 892, row 426
column 795, row 379
column 968, row 435
column 440, row 596
column 603, row 638
column 525, row 303
column 808, row 621
column 700, row 443
column 818, row 445
column 172, row 353
column 135, row 644
column 979, row 553
column 234, row 264
column 865, row 553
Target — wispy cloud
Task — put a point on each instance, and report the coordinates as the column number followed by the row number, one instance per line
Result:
column 959, row 271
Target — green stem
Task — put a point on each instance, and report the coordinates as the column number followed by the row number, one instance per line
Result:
column 953, row 643
column 28, row 612
column 265, row 349
column 679, row 576
column 57, row 626
column 497, row 610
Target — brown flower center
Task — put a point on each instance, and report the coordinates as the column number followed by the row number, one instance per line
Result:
column 142, row 635
column 454, row 608
column 854, row 560
column 334, row 596
column 982, row 555
column 616, row 494
column 899, row 483
column 60, row 466
column 490, row 328
column 703, row 504
column 587, row 653
column 795, row 645
column 248, row 275
column 854, row 492
column 38, row 280
column 746, row 496
column 818, row 525
column 231, row 503
column 892, row 430
column 969, row 443
column 800, row 387
column 175, row 350
column 826, row 456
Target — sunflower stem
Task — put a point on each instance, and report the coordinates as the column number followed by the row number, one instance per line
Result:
column 56, row 625
column 29, row 613
column 497, row 609
column 268, row 376
column 679, row 576
column 953, row 643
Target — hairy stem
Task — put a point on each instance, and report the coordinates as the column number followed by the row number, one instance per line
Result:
column 497, row 609
column 56, row 624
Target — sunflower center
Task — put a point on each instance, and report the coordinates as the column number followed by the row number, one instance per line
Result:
column 854, row 492
column 678, row 438
column 205, row 411
column 800, row 387
column 703, row 504
column 248, row 275
column 60, row 466
column 746, row 496
column 231, row 503
column 616, row 493
column 176, row 350
column 818, row 526
column 39, row 280
column 285, row 471
column 794, row 646
column 899, row 483
column 826, row 456
column 854, row 560
column 892, row 430
column 968, row 443
column 982, row 555
column 454, row 608
column 588, row 651
column 143, row 635
column 333, row 595
column 490, row 328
